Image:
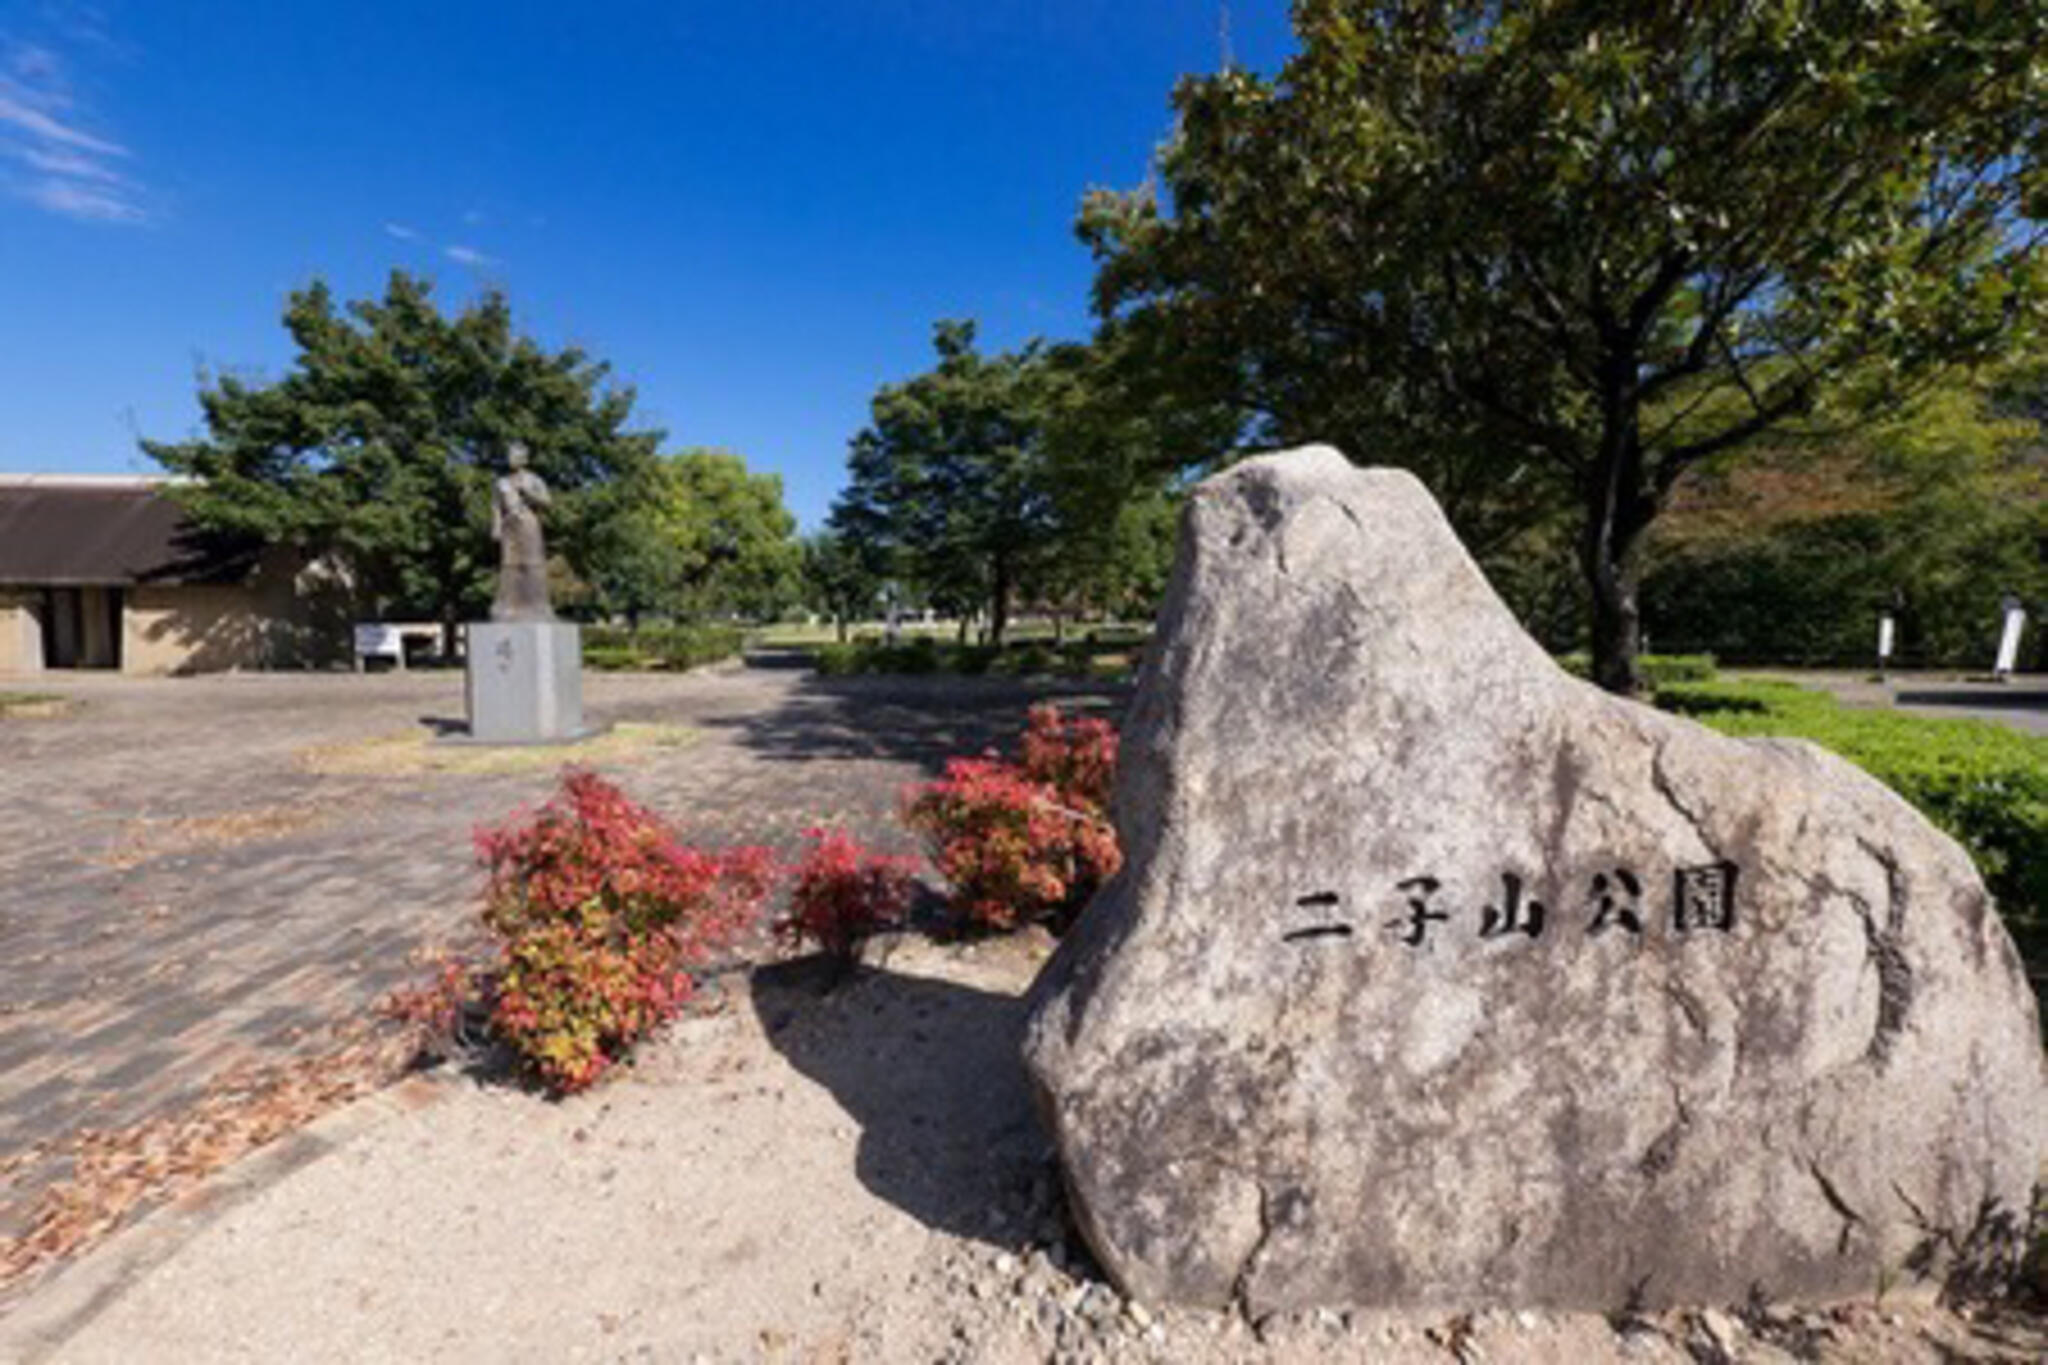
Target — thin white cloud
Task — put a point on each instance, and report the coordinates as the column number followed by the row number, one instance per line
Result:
column 72, row 171
column 71, row 164
column 473, row 217
column 402, row 232
column 74, row 200
column 468, row 255
column 23, row 117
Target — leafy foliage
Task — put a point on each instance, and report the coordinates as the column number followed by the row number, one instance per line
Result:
column 922, row 654
column 1932, row 516
column 1561, row 253
column 601, row 913
column 380, row 443
column 988, row 481
column 671, row 647
column 697, row 534
column 841, row 578
column 843, row 894
column 1029, row 842
column 949, row 478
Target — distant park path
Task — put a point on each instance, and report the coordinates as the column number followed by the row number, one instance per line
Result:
column 181, row 892
column 2021, row 704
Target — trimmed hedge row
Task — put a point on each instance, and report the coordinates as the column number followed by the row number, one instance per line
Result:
column 1984, row 784
column 1657, row 669
column 923, row 654
column 614, row 648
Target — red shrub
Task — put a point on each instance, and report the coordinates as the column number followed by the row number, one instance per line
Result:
column 843, row 894
column 1030, row 842
column 1075, row 757
column 601, row 912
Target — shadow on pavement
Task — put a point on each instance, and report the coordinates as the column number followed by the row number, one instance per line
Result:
column 1989, row 698
column 930, row 1071
column 922, row 720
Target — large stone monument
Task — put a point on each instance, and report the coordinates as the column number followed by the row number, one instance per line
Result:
column 1436, row 977
column 525, row 668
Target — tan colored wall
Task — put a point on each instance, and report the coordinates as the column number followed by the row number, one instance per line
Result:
column 191, row 630
column 282, row 618
column 21, row 639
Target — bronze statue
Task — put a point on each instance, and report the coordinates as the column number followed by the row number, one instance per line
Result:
column 516, row 500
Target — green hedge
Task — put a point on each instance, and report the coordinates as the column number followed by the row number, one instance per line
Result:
column 673, row 647
column 923, row 654
column 1984, row 784
column 1656, row 669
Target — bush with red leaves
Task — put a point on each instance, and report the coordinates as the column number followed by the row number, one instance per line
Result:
column 601, row 912
column 1025, row 842
column 843, row 894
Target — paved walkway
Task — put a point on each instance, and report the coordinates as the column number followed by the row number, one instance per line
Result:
column 180, row 893
column 2021, row 704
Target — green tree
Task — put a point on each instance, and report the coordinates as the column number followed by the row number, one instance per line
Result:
column 948, row 482
column 380, row 443
column 1573, row 248
column 839, row 579
column 1930, row 515
column 696, row 534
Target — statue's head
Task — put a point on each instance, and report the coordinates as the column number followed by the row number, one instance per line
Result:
column 515, row 455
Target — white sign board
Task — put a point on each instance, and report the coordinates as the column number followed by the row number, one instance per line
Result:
column 2009, row 643
column 1884, row 637
column 377, row 641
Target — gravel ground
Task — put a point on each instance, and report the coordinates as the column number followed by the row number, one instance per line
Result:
column 807, row 1173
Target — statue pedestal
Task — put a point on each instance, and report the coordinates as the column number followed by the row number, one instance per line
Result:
column 526, row 683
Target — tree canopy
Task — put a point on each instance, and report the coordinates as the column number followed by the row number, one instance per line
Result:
column 380, row 443
column 1037, row 476
column 948, row 480
column 697, row 533
column 1566, row 251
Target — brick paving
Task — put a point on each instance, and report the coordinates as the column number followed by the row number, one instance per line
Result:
column 135, row 967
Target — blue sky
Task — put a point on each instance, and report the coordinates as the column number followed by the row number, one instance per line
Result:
column 753, row 211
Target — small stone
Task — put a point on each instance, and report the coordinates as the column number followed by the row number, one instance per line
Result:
column 1005, row 1263
column 1721, row 1329
column 1139, row 1314
column 1527, row 1320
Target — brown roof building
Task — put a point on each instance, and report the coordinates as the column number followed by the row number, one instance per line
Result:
column 110, row 573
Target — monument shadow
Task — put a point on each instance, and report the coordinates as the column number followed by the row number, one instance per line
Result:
column 930, row 1071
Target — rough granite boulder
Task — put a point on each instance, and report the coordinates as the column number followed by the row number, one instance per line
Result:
column 1436, row 977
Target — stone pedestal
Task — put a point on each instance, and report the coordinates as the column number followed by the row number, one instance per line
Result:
column 526, row 683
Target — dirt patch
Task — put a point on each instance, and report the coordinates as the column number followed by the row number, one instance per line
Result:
column 414, row 753
column 33, row 705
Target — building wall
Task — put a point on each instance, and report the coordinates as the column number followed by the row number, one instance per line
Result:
column 21, row 636
column 285, row 616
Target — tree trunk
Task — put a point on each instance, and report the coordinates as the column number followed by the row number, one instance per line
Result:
column 1612, row 561
column 999, row 602
column 449, row 626
column 839, row 619
column 1619, row 509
